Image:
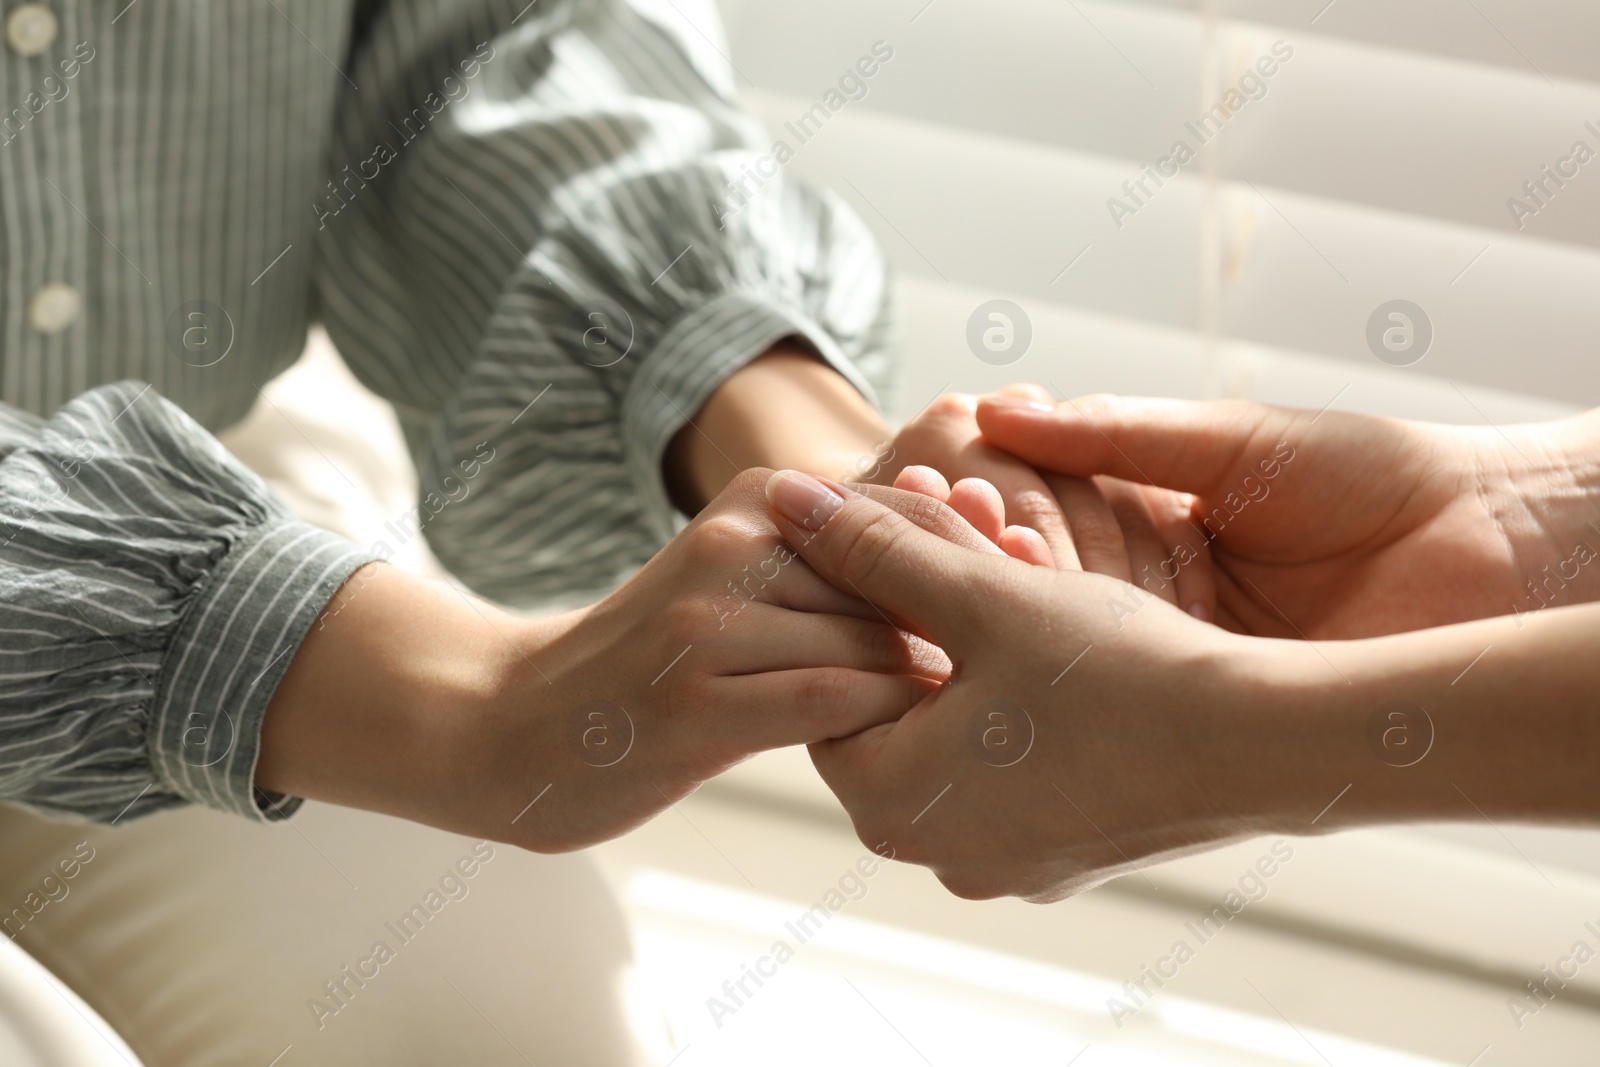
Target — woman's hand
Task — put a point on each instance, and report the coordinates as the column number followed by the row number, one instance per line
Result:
column 1334, row 525
column 1065, row 748
column 1099, row 525
column 981, row 507
column 941, row 445
column 560, row 733
column 1068, row 748
column 788, row 408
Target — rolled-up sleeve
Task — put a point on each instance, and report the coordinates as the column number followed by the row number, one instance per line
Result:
column 562, row 235
column 152, row 593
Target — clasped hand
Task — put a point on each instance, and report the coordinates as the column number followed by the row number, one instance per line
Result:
column 1089, row 726
column 1087, row 654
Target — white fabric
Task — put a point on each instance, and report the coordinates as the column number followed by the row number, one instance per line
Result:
column 45, row 1024
column 202, row 938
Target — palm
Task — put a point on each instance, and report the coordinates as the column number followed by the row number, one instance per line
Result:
column 1369, row 528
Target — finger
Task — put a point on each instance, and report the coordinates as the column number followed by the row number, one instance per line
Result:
column 1149, row 561
column 977, row 501
column 1064, row 553
column 1027, row 391
column 1096, row 535
column 924, row 480
column 780, row 578
column 1189, row 552
column 769, row 638
column 749, row 562
column 1026, row 496
column 945, row 522
column 849, row 766
column 874, row 550
column 1197, row 587
column 946, row 434
column 1024, row 543
column 754, row 566
column 801, row 707
column 1178, row 444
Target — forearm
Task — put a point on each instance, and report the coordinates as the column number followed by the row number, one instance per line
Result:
column 380, row 702
column 1497, row 719
column 786, row 408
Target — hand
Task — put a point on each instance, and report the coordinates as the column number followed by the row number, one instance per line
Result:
column 1066, row 749
column 1131, row 531
column 1100, row 525
column 788, row 408
column 942, row 442
column 978, row 503
column 556, row 734
column 1337, row 525
column 1094, row 769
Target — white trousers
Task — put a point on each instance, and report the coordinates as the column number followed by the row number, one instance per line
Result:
column 341, row 937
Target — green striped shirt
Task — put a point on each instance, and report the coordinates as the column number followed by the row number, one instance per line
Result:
column 534, row 228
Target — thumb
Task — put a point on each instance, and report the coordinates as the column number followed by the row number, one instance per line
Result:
column 1185, row 445
column 872, row 550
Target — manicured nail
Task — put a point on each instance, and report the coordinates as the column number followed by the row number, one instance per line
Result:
column 1018, row 403
column 802, row 499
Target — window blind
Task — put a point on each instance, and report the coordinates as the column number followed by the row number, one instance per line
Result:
column 1216, row 197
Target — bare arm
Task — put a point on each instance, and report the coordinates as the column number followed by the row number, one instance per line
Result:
column 786, row 408
column 1420, row 735
column 1073, row 693
column 411, row 699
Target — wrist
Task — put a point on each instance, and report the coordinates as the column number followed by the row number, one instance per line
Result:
column 381, row 704
column 1341, row 736
column 499, row 752
column 1413, row 727
column 1277, row 724
column 1555, row 482
column 785, row 409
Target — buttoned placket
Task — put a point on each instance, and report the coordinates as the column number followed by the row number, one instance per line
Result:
column 43, row 225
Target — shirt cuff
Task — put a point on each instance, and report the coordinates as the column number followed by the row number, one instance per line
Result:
column 228, row 655
column 697, row 353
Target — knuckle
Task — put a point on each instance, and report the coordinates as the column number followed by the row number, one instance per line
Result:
column 1096, row 405
column 864, row 549
column 1095, row 532
column 927, row 512
column 720, row 537
column 751, row 482
column 686, row 618
column 1034, row 507
column 950, row 406
column 883, row 645
column 1033, row 390
column 944, row 521
column 1131, row 518
column 683, row 697
column 823, row 692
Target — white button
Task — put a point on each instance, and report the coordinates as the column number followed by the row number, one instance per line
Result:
column 30, row 29
column 54, row 307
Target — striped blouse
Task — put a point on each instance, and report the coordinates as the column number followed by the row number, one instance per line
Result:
column 530, row 226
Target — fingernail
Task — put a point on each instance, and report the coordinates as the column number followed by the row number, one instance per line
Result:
column 1019, row 403
column 1199, row 611
column 802, row 499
